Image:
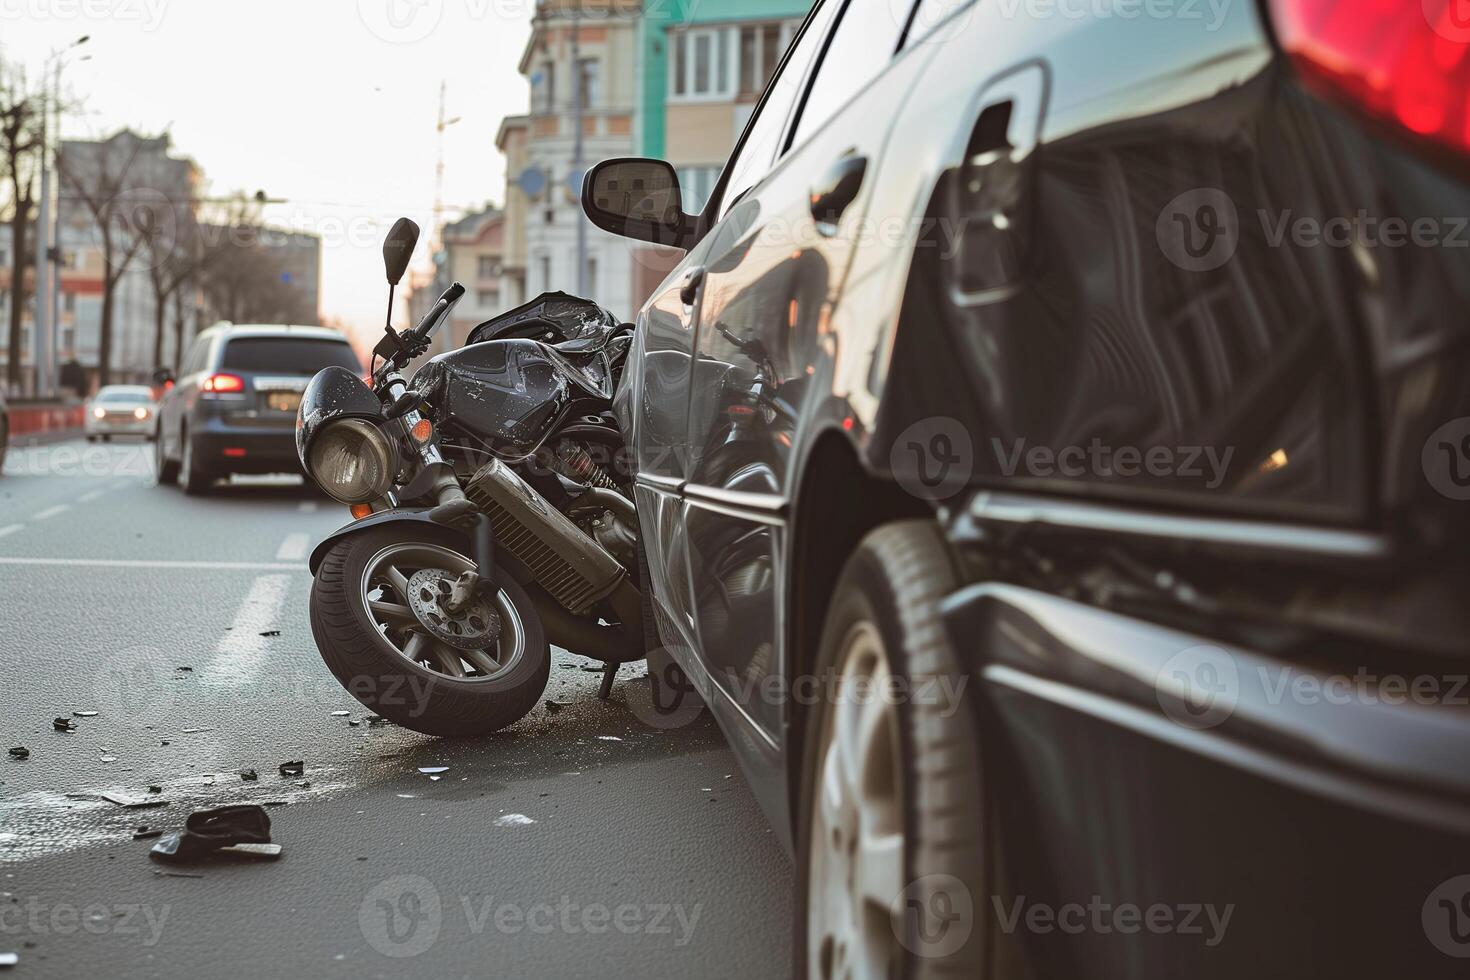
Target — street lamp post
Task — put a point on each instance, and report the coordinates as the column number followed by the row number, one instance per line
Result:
column 47, row 309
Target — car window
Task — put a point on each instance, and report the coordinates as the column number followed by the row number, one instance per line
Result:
column 287, row 355
column 194, row 363
column 759, row 149
column 122, row 395
column 861, row 48
column 928, row 15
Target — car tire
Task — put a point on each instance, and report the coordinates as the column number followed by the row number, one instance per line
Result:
column 379, row 674
column 907, row 904
column 91, row 437
column 165, row 470
column 194, row 476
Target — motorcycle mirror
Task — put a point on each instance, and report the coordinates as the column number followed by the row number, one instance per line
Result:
column 398, row 249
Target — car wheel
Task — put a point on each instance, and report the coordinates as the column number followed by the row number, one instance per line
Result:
column 164, row 469
column 890, row 821
column 194, row 476
column 91, row 437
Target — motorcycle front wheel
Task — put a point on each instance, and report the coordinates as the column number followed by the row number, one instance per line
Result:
column 381, row 617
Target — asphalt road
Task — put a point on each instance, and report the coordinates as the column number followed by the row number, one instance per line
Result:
column 577, row 842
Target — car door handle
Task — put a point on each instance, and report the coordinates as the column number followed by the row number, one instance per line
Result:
column 693, row 279
column 837, row 189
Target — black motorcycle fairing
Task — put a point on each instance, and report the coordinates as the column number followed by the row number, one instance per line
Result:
column 334, row 393
column 511, row 393
column 570, row 323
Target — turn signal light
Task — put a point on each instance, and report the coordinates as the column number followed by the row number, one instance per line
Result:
column 1406, row 62
column 222, row 384
column 359, row 511
column 423, row 431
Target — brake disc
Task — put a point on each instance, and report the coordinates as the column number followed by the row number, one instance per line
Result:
column 475, row 627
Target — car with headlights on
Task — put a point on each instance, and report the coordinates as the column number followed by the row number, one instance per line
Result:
column 120, row 410
column 232, row 407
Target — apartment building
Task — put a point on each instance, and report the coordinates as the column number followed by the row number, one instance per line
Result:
column 702, row 67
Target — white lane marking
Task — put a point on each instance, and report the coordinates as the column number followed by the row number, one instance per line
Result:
column 10, row 529
column 87, row 498
column 51, row 512
column 203, row 566
column 307, row 507
column 294, row 547
column 239, row 655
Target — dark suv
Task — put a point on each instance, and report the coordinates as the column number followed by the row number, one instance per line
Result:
column 1053, row 463
column 233, row 407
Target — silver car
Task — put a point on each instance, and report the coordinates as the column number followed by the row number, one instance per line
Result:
column 120, row 410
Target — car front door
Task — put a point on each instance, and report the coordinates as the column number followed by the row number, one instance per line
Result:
column 659, row 395
column 775, row 263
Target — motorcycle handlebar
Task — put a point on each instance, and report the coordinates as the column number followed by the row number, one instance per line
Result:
column 440, row 311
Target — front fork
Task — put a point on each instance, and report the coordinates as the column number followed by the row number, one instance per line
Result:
column 454, row 509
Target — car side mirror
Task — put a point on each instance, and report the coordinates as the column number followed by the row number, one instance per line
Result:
column 398, row 249
column 636, row 198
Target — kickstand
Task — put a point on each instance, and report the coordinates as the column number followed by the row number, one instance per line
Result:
column 608, row 673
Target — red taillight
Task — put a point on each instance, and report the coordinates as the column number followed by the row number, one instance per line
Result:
column 223, row 384
column 1404, row 61
column 234, row 452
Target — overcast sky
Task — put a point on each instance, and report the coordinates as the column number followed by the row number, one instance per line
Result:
column 329, row 104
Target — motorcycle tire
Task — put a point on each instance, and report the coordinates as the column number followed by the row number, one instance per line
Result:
column 365, row 631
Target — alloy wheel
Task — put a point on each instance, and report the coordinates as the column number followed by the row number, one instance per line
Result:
column 858, row 840
column 405, row 589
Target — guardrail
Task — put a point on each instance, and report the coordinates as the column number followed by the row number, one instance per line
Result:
column 30, row 419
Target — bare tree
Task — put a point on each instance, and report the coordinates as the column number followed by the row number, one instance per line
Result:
column 20, row 143
column 102, row 180
column 243, row 271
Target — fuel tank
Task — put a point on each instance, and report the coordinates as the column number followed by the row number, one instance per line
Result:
column 512, row 394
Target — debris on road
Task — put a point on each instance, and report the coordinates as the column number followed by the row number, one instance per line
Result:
column 430, row 770
column 513, row 820
column 20, row 752
column 108, row 758
column 7, row 960
column 270, row 633
column 63, row 724
column 184, row 670
column 134, row 802
column 175, row 874
column 295, row 768
column 555, row 706
column 155, row 788
column 143, row 833
column 609, row 738
column 375, row 719
column 85, row 714
column 236, row 830
column 340, row 714
column 249, row 775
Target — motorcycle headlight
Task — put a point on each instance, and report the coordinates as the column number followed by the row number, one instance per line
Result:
column 353, row 461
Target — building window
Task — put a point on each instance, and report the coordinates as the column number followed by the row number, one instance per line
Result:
column 486, row 297
column 486, row 267
column 700, row 64
column 544, row 90
column 590, row 74
column 69, row 339
column 761, row 47
column 695, row 186
column 69, row 302
column 545, row 267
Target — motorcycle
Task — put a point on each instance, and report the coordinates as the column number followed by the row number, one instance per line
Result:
column 490, row 520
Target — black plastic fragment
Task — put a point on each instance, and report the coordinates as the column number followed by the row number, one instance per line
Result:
column 207, row 831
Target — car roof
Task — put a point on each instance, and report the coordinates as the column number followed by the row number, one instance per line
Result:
column 234, row 330
column 138, row 389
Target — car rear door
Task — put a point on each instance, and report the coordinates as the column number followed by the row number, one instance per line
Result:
column 776, row 263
